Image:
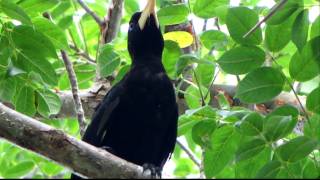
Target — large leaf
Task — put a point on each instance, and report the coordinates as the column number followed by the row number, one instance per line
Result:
column 174, row 14
column 250, row 167
column 37, row 7
column 14, row 11
column 276, row 127
column 278, row 36
column 7, row 89
column 194, row 95
column 315, row 29
column 204, row 74
column 269, row 170
column 28, row 39
column 183, row 38
column 208, row 8
column 312, row 128
column 285, row 12
column 296, row 149
column 313, row 101
column 239, row 21
column 48, row 103
column 170, row 57
column 250, row 149
column 260, row 85
column 108, row 60
column 251, row 124
column 300, row 29
column 201, row 132
column 224, row 145
column 214, row 39
column 241, row 60
column 53, row 32
column 303, row 66
column 20, row 170
column 25, row 101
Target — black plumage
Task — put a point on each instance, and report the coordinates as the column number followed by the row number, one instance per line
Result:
column 137, row 120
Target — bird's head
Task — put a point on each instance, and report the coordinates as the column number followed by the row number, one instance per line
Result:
column 144, row 34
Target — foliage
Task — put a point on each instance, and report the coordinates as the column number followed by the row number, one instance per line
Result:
column 234, row 142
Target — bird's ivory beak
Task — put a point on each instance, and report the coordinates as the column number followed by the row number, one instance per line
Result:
column 148, row 10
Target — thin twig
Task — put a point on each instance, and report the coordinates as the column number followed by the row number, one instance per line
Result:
column 203, row 103
column 75, row 91
column 272, row 12
column 82, row 54
column 294, row 92
column 212, row 83
column 189, row 153
column 91, row 13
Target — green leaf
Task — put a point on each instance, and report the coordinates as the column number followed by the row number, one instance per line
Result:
column 285, row 12
column 270, row 170
column 28, row 39
column 173, row 14
column 25, row 101
column 304, row 67
column 250, row 167
column 201, row 132
column 312, row 128
column 208, row 8
column 48, row 103
column 278, row 36
column 310, row 171
column 214, row 39
column 250, row 149
column 300, row 29
column 186, row 123
column 276, row 127
column 184, row 61
column 20, row 170
column 242, row 60
column 131, row 6
column 296, row 149
column 224, row 145
column 7, row 89
column 108, row 60
column 315, row 29
column 287, row 110
column 204, row 74
column 15, row 12
column 239, row 21
column 37, row 7
column 171, row 54
column 193, row 96
column 260, row 85
column 53, row 32
column 313, row 101
column 251, row 124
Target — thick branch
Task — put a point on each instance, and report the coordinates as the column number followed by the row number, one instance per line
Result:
column 113, row 20
column 91, row 13
column 76, row 155
column 75, row 91
column 90, row 99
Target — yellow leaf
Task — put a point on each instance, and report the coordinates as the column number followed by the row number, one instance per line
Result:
column 183, row 38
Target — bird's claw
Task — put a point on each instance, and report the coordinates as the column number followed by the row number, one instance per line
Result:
column 155, row 172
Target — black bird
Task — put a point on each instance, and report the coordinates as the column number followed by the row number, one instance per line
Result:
column 137, row 120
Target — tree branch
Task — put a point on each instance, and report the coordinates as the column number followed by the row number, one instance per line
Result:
column 91, row 13
column 189, row 153
column 86, row 160
column 113, row 20
column 75, row 91
column 271, row 13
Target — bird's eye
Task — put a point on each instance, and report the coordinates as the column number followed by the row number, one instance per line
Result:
column 131, row 26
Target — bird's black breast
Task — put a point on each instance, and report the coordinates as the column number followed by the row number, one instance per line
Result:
column 142, row 127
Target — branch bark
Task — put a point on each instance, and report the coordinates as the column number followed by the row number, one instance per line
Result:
column 91, row 13
column 80, row 157
column 75, row 91
column 91, row 98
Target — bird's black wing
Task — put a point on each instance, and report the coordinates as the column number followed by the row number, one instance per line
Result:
column 171, row 135
column 95, row 132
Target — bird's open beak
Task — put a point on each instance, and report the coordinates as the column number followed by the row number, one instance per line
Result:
column 148, row 10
